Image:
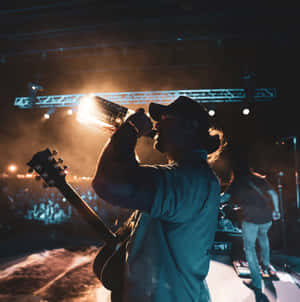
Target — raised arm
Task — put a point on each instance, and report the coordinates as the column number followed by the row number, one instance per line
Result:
column 119, row 178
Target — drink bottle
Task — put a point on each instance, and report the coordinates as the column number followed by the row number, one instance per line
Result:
column 101, row 112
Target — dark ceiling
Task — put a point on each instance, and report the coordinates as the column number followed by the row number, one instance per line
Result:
column 45, row 39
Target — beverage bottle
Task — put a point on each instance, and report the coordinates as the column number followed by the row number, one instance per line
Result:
column 100, row 112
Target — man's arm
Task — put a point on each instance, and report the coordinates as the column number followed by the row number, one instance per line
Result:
column 119, row 178
column 275, row 201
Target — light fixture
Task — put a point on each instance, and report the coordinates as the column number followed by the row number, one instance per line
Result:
column 211, row 112
column 247, row 108
column 246, row 111
column 49, row 112
column 33, row 89
column 12, row 168
column 211, row 109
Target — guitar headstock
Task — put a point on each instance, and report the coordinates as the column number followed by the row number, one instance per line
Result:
column 48, row 168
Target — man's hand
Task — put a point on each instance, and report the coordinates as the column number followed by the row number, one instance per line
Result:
column 141, row 122
column 224, row 197
column 276, row 215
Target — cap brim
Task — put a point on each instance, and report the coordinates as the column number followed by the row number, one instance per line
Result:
column 156, row 111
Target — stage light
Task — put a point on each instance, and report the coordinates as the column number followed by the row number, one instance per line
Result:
column 211, row 112
column 84, row 108
column 33, row 89
column 12, row 168
column 211, row 109
column 247, row 108
column 246, row 111
column 48, row 114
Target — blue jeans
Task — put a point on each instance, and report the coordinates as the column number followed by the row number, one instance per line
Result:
column 251, row 232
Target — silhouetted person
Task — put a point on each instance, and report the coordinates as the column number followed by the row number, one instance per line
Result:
column 168, row 253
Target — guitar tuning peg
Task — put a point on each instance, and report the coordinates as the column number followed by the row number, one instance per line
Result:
column 37, row 177
column 54, row 152
column 54, row 163
column 65, row 167
column 60, row 161
column 30, row 170
column 44, row 175
column 51, row 183
column 38, row 168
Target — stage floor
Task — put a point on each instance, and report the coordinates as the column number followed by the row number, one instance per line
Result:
column 225, row 285
column 65, row 275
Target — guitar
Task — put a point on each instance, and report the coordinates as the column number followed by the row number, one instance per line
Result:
column 109, row 263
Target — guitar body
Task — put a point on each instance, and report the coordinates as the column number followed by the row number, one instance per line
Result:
column 109, row 267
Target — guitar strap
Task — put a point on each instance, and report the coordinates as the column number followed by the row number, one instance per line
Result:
column 258, row 190
column 125, row 231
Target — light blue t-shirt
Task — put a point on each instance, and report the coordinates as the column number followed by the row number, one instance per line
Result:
column 168, row 256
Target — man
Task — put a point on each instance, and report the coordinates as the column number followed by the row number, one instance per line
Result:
column 259, row 204
column 168, row 253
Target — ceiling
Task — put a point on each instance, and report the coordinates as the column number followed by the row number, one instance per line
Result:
column 42, row 40
column 38, row 27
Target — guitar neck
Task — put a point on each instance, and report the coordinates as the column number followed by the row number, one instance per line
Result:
column 86, row 212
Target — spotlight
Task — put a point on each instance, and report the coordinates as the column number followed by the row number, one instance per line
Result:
column 211, row 112
column 211, row 109
column 246, row 111
column 34, row 87
column 33, row 90
column 247, row 108
column 12, row 168
column 49, row 112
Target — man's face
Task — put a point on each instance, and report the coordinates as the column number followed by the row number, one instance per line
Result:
column 169, row 136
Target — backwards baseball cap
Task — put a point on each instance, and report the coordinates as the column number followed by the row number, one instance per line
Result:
column 184, row 107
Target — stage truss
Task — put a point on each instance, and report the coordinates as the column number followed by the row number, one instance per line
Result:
column 146, row 97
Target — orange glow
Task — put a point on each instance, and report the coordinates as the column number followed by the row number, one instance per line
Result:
column 12, row 168
column 85, row 116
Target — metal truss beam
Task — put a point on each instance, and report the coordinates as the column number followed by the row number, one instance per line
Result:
column 145, row 97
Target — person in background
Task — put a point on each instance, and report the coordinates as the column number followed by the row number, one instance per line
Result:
column 168, row 252
column 259, row 204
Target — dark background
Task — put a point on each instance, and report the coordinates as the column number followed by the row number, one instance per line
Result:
column 72, row 47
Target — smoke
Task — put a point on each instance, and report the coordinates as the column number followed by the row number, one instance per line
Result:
column 24, row 132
